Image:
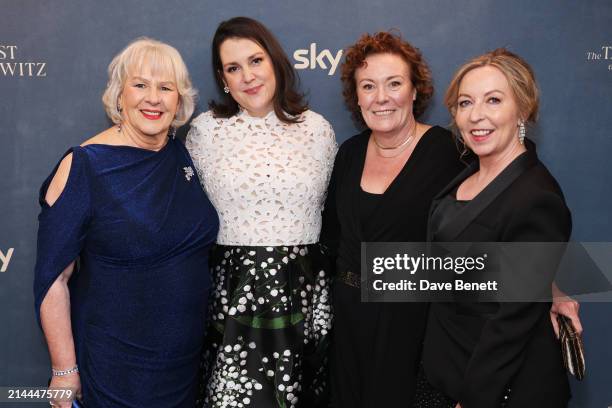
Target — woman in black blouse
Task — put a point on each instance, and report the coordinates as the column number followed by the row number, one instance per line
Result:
column 382, row 185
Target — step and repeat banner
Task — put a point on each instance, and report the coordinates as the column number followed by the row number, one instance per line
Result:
column 53, row 61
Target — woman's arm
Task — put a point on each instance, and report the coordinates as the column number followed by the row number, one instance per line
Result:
column 57, row 326
column 55, row 307
column 330, row 228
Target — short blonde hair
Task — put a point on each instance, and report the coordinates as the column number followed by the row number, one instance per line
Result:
column 161, row 57
column 517, row 71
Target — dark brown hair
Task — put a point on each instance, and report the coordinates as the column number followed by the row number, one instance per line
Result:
column 385, row 42
column 288, row 101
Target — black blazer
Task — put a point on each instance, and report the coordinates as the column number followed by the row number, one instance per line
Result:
column 476, row 352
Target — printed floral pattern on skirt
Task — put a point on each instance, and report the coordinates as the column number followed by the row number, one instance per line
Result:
column 268, row 334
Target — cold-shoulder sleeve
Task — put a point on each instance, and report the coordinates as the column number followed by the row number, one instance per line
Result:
column 62, row 227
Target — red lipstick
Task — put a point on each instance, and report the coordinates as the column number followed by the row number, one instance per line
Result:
column 155, row 116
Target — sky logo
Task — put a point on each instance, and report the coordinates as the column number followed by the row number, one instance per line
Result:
column 311, row 59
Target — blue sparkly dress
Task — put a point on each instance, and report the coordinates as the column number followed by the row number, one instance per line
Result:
column 141, row 227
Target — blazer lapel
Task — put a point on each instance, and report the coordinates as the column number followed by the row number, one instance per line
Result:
column 452, row 229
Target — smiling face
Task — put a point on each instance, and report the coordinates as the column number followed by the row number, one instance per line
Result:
column 487, row 113
column 149, row 101
column 249, row 75
column 385, row 94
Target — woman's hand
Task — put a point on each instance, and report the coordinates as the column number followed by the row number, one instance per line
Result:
column 70, row 381
column 566, row 306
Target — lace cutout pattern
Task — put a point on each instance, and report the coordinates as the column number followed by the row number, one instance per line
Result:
column 267, row 179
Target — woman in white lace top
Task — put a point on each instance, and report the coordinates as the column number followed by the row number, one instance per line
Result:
column 265, row 162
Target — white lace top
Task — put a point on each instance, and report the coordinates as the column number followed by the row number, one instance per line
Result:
column 267, row 179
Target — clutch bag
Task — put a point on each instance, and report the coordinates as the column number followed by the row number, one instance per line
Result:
column 572, row 347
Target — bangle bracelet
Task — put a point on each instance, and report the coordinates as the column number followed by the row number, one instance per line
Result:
column 60, row 373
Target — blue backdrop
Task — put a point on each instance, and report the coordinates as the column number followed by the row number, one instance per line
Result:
column 53, row 60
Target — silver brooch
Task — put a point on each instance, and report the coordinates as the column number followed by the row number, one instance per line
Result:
column 188, row 172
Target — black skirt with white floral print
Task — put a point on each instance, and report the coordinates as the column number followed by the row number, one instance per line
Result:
column 268, row 334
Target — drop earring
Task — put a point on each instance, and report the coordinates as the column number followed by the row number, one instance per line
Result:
column 119, row 110
column 522, row 132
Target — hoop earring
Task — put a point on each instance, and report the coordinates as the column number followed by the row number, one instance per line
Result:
column 522, row 132
column 226, row 89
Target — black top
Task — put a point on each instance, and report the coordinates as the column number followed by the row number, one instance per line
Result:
column 375, row 350
column 368, row 203
column 474, row 352
column 401, row 216
column 447, row 209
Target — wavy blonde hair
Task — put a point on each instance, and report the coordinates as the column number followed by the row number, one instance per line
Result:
column 161, row 58
column 517, row 71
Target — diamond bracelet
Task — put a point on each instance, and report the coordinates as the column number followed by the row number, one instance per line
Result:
column 61, row 373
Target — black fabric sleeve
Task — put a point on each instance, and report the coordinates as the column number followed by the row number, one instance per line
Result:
column 330, row 228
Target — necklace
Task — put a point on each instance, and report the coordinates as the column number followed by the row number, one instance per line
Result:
column 405, row 143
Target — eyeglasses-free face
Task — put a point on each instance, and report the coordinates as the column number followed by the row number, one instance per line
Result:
column 249, row 75
column 385, row 94
column 149, row 102
column 487, row 113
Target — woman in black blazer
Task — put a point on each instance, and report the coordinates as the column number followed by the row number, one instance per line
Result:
column 485, row 355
